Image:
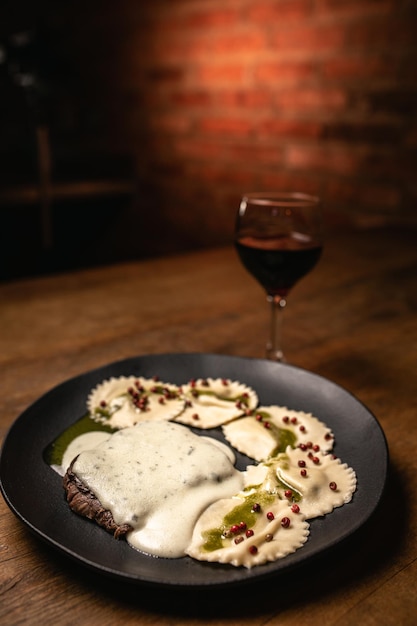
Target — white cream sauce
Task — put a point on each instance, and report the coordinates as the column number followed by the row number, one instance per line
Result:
column 83, row 442
column 159, row 478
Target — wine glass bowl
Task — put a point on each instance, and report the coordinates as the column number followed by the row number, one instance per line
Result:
column 278, row 237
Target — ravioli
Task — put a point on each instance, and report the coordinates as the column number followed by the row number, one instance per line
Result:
column 268, row 519
column 270, row 429
column 243, row 518
column 323, row 481
column 125, row 401
column 211, row 402
column 267, row 533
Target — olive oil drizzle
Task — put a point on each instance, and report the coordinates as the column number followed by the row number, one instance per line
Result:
column 283, row 436
column 243, row 512
column 54, row 453
column 247, row 512
column 241, row 398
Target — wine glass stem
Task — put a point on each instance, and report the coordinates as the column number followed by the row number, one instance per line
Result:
column 274, row 346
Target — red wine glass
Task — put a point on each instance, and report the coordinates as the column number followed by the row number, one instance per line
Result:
column 278, row 237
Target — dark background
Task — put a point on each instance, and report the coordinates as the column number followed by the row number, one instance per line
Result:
column 157, row 116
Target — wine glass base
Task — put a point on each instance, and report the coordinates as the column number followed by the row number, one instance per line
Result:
column 274, row 355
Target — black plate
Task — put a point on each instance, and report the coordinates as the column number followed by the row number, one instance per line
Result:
column 34, row 491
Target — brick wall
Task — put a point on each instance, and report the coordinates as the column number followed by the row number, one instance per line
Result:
column 211, row 99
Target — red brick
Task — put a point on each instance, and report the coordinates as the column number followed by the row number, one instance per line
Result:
column 398, row 166
column 300, row 129
column 205, row 48
column 289, row 181
column 226, row 125
column 236, row 43
column 377, row 197
column 354, row 8
column 215, row 174
column 304, row 99
column 411, row 138
column 254, row 153
column 275, row 12
column 191, row 99
column 208, row 19
column 220, row 73
column 393, row 101
column 278, row 72
column 325, row 159
column 313, row 39
column 359, row 67
column 210, row 98
column 382, row 32
column 196, row 149
column 370, row 133
column 380, row 197
column 342, row 188
column 243, row 99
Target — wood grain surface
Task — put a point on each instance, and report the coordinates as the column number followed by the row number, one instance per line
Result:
column 352, row 320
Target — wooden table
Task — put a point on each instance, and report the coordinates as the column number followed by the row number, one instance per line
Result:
column 353, row 320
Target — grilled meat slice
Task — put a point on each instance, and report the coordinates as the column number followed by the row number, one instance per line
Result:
column 83, row 501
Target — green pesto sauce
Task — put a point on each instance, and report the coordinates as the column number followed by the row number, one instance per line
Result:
column 102, row 412
column 281, row 461
column 161, row 389
column 213, row 538
column 55, row 451
column 206, row 391
column 105, row 412
column 282, row 436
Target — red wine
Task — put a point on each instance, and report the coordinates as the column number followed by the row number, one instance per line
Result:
column 278, row 263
